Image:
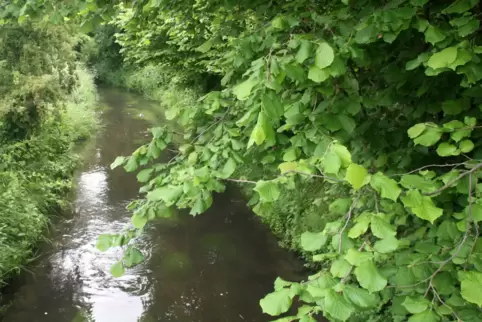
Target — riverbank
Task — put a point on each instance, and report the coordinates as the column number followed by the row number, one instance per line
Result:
column 36, row 175
column 47, row 106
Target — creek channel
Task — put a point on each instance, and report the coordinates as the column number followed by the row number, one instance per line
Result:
column 209, row 268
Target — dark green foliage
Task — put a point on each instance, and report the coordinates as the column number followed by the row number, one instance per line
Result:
column 47, row 102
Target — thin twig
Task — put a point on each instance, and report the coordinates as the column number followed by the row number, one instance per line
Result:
column 460, row 176
column 429, row 166
column 241, row 181
column 348, row 215
column 445, row 304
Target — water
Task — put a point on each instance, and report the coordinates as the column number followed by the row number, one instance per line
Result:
column 214, row 267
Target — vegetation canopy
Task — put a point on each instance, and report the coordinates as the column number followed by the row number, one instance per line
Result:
column 380, row 101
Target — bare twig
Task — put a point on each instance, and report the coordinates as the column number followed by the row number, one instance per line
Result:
column 430, row 166
column 445, row 304
column 348, row 215
column 241, row 181
column 460, row 176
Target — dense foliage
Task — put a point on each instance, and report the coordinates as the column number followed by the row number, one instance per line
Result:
column 378, row 101
column 47, row 101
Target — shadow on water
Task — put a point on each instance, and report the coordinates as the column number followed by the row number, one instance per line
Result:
column 210, row 268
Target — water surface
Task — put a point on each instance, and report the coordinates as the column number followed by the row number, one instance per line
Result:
column 214, row 267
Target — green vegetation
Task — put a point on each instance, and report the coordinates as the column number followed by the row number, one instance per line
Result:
column 47, row 101
column 376, row 104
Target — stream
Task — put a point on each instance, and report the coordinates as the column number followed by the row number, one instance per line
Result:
column 209, row 268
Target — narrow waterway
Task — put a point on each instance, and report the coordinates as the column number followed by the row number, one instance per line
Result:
column 209, row 268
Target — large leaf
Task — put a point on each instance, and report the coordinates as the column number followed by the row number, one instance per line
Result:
column 381, row 228
column 415, row 304
column 132, row 257
column 387, row 187
column 337, row 306
column 169, row 194
column 331, row 162
column 312, row 241
column 304, row 52
column 422, row 206
column 117, row 269
column 228, row 169
column 277, row 302
column 243, row 90
column 387, row 245
column 360, row 297
column 356, row 175
column 425, row 316
column 471, row 284
column 324, row 55
column 443, row 58
column 268, row 190
column 369, row 277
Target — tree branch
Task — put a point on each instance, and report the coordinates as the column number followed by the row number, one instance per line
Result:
column 460, row 176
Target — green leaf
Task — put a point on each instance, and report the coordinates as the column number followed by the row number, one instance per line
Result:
column 311, row 242
column 272, row 106
column 442, row 58
column 139, row 221
column 257, row 136
column 466, row 146
column 268, row 190
column 331, row 162
column 356, row 258
column 243, row 90
column 318, row 75
column 381, row 228
column 132, row 257
column 360, row 297
column 422, row 206
column 228, row 169
column 425, row 316
column 415, row 304
column 339, row 268
column 131, row 164
column 304, row 52
column 471, row 284
column 205, row 47
column 446, row 149
column 291, row 154
column 277, row 302
column 433, row 35
column 387, row 187
column 337, row 306
column 416, row 130
column 347, row 123
column 169, row 194
column 356, row 175
column 280, row 283
column 453, row 107
column 117, row 269
column 369, row 277
column 431, row 136
column 343, row 153
column 144, row 175
column 104, row 242
column 358, row 229
column 324, row 55
column 460, row 6
column 386, row 245
column 117, row 162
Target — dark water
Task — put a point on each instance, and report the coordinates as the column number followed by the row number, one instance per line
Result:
column 210, row 268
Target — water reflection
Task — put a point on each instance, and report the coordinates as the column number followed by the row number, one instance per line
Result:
column 210, row 268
